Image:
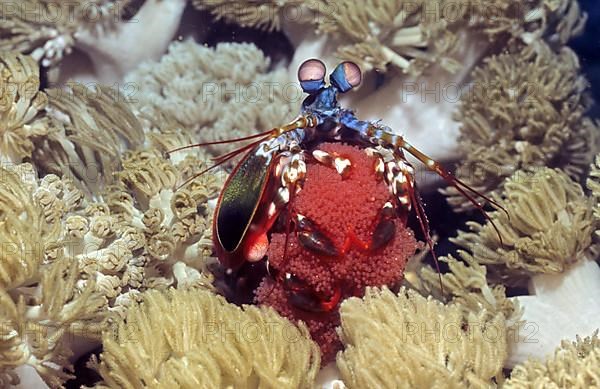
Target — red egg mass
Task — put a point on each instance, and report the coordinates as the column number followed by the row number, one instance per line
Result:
column 346, row 209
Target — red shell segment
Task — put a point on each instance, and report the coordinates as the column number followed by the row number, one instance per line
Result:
column 346, row 210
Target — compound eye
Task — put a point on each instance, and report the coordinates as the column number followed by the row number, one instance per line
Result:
column 346, row 76
column 311, row 75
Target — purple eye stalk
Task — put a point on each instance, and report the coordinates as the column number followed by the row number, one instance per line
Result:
column 344, row 77
column 311, row 75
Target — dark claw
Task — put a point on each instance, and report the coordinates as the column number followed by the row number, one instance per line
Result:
column 385, row 229
column 305, row 224
column 313, row 239
column 383, row 234
column 302, row 297
column 305, row 301
column 318, row 243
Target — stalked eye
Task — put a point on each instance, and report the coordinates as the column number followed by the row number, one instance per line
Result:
column 346, row 76
column 311, row 75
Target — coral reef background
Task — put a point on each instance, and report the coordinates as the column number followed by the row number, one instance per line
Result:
column 587, row 49
column 107, row 274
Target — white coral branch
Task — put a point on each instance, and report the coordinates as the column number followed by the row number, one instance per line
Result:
column 563, row 305
column 115, row 52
